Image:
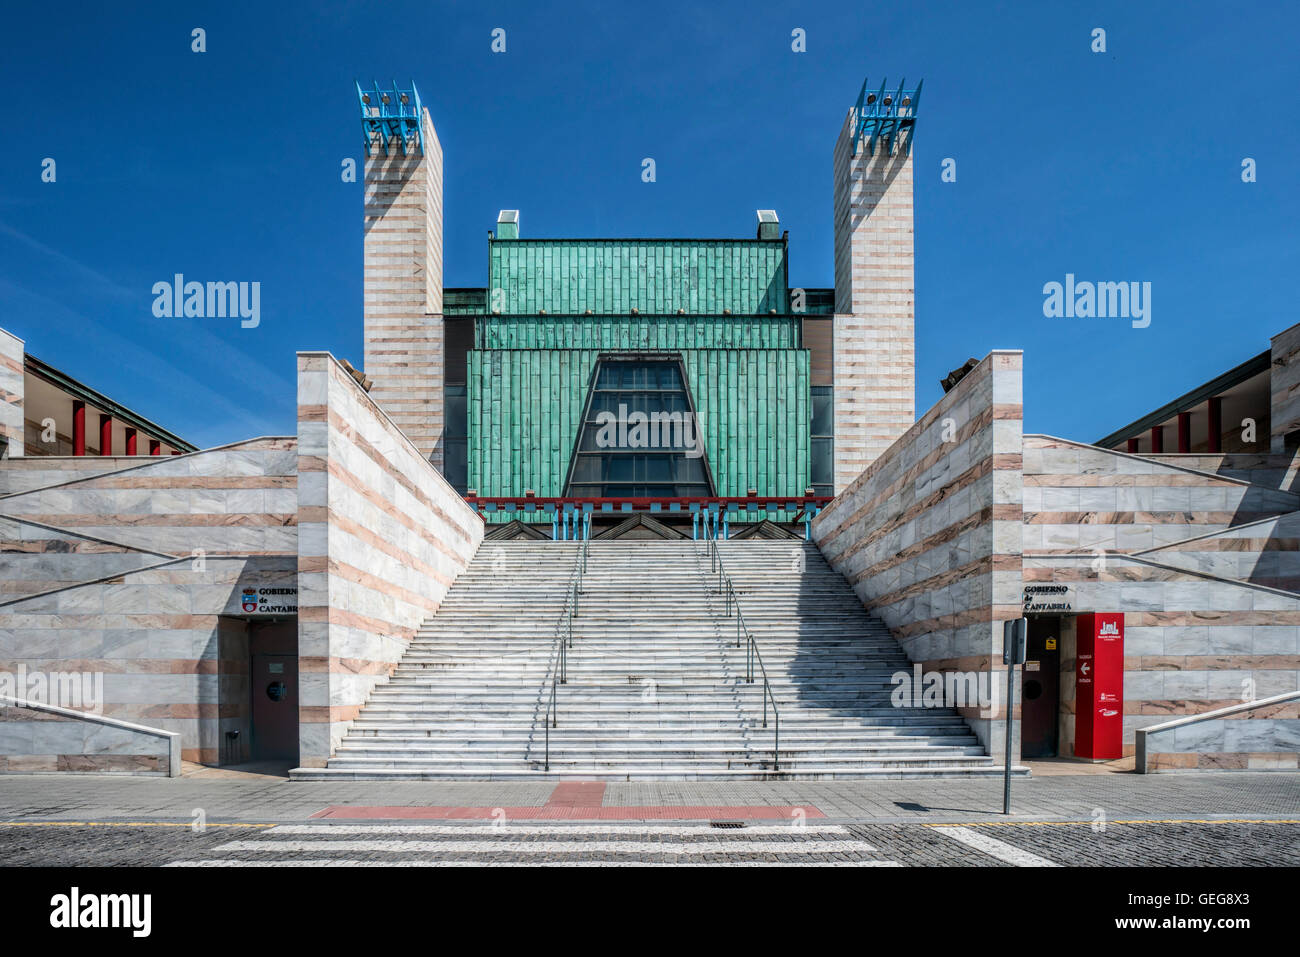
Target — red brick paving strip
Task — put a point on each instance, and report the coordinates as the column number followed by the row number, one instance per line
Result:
column 564, row 812
column 577, row 794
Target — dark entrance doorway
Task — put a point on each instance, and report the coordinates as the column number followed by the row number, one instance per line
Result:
column 1040, row 689
column 273, row 680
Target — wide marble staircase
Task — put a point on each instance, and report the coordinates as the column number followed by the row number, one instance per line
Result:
column 655, row 681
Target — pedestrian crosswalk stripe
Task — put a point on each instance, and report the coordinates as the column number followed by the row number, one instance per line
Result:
column 995, row 848
column 443, row 862
column 272, row 845
column 572, row 830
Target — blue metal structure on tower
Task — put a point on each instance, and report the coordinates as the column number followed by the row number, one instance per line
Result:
column 885, row 117
column 391, row 114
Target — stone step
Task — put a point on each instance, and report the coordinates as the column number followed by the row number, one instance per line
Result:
column 469, row 698
column 588, row 713
column 624, row 763
column 524, row 732
column 801, row 773
column 457, row 723
column 629, row 752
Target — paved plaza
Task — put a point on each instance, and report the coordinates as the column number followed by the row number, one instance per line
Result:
column 1058, row 819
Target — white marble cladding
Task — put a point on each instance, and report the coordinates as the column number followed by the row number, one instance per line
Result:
column 238, row 499
column 1225, row 735
column 12, row 387
column 127, row 572
column 402, row 289
column 1259, row 468
column 35, row 739
column 1262, row 553
column 39, row 471
column 1284, row 388
column 152, row 633
column 1191, row 643
column 382, row 537
column 40, row 735
column 1082, row 498
column 929, row 534
column 874, row 347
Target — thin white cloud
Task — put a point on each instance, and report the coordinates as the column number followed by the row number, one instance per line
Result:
column 182, row 389
column 187, row 336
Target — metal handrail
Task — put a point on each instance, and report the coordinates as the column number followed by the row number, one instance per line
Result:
column 728, row 590
column 564, row 635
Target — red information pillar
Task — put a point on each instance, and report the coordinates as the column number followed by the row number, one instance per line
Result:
column 1099, row 686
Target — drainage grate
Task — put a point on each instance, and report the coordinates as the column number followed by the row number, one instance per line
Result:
column 727, row 824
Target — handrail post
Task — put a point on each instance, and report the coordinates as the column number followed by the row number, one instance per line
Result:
column 564, row 639
column 776, row 740
column 728, row 590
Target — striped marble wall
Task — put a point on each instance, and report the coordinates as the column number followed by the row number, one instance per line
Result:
column 1079, row 497
column 38, row 471
column 874, row 352
column 40, row 737
column 381, row 538
column 1265, row 552
column 39, row 558
column 1199, row 561
column 1281, row 471
column 929, row 534
column 1284, row 387
column 1259, row 735
column 12, row 426
column 1192, row 642
column 402, row 288
column 240, row 498
column 133, row 574
column 153, row 634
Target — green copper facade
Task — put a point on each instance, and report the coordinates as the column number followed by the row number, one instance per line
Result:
column 525, row 406
column 615, row 276
column 553, row 308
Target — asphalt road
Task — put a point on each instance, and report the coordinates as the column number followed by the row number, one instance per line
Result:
column 404, row 843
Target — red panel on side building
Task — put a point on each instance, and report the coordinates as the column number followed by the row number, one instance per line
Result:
column 105, row 434
column 1099, row 686
column 78, row 427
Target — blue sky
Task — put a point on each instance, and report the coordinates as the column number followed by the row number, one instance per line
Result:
column 1116, row 166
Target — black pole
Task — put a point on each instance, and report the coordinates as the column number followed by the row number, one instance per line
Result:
column 1006, row 771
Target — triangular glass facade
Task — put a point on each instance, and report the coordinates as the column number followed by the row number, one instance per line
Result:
column 639, row 436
